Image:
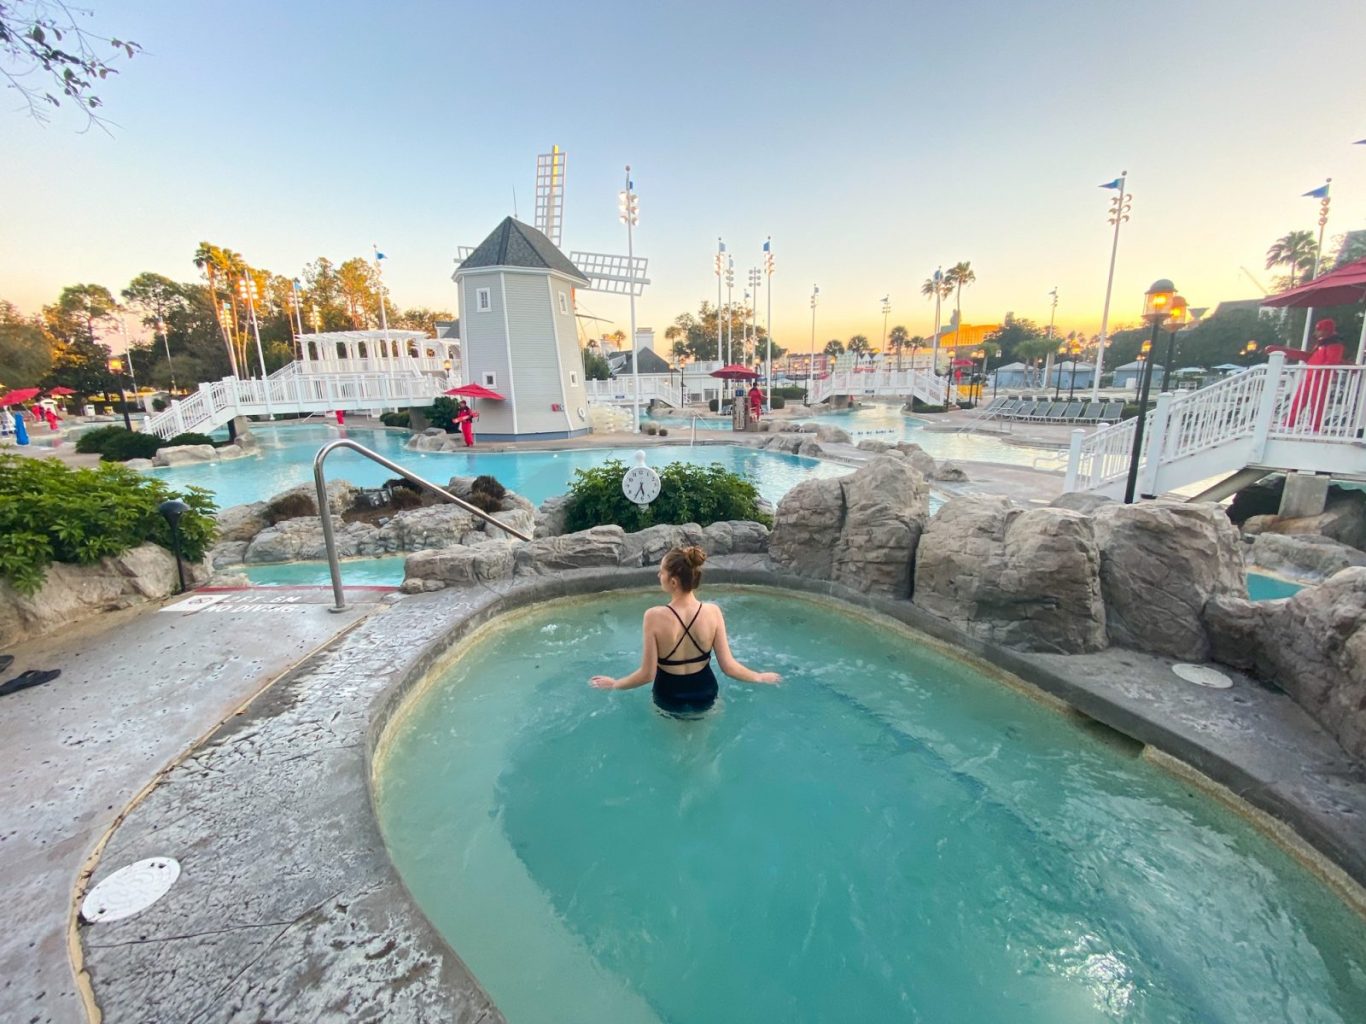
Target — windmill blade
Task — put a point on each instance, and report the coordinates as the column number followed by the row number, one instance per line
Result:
column 620, row 275
column 550, row 194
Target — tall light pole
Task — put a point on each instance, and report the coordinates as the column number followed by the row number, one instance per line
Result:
column 811, row 363
column 160, row 327
column 228, row 314
column 744, row 327
column 886, row 311
column 756, row 277
column 1052, row 319
column 1119, row 213
column 720, row 270
column 938, row 279
column 298, row 311
column 768, row 323
column 1156, row 305
column 629, row 209
column 246, row 288
column 1178, row 321
column 379, row 286
column 730, row 310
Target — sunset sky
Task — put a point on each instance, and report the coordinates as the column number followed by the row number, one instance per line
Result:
column 872, row 141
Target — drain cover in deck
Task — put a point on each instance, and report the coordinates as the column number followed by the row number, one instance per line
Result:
column 1202, row 675
column 130, row 890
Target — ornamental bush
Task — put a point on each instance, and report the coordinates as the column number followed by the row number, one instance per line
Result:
column 130, row 445
column 92, row 441
column 687, row 494
column 51, row 512
column 395, row 419
column 189, row 437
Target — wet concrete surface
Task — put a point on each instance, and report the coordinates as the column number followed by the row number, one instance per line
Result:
column 290, row 910
column 137, row 690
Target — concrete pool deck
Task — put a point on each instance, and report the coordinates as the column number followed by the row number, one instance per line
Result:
column 288, row 907
column 136, row 691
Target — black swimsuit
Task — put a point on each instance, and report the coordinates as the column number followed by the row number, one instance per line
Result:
column 695, row 691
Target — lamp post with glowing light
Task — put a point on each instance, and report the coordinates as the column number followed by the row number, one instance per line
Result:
column 1249, row 351
column 1178, row 321
column 1157, row 304
column 629, row 209
column 116, row 367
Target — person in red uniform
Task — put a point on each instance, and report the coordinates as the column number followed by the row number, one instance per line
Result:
column 464, row 419
column 756, row 401
column 1312, row 394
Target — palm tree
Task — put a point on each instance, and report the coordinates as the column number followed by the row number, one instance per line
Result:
column 896, row 341
column 958, row 275
column 1294, row 251
column 858, row 347
column 834, row 347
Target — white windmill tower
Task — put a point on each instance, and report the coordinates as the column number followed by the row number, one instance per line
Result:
column 518, row 334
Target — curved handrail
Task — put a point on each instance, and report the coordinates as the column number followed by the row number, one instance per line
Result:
column 325, row 510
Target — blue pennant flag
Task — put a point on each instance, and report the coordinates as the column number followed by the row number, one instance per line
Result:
column 766, row 247
column 1360, row 142
column 379, row 255
column 1319, row 193
column 1112, row 184
column 721, row 246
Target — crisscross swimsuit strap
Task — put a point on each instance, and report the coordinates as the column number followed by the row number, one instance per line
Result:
column 669, row 658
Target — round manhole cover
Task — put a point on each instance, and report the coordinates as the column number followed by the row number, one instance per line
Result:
column 1202, row 675
column 130, row 890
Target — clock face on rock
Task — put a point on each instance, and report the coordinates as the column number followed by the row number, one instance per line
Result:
column 640, row 484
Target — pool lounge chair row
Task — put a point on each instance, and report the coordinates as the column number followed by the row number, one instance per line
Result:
column 1046, row 410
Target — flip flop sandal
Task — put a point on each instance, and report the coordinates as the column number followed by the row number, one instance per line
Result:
column 33, row 677
column 6, row 660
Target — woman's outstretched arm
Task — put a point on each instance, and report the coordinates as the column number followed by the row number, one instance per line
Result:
column 733, row 668
column 648, row 659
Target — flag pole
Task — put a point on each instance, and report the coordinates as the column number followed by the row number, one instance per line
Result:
column 1321, row 194
column 1119, row 213
column 768, row 323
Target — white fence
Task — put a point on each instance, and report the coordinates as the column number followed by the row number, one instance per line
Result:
column 622, row 389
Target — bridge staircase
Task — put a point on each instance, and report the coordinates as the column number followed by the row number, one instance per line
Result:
column 1270, row 419
column 884, row 382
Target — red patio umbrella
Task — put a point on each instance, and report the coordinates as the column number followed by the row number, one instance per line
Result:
column 734, row 371
column 476, row 391
column 60, row 391
column 1345, row 286
column 21, row 395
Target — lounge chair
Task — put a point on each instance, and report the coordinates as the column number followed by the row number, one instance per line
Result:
column 1025, row 409
column 1046, row 411
column 1091, row 414
column 1008, row 407
column 1073, row 410
column 1112, row 412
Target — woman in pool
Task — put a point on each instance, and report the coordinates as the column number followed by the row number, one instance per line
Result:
column 689, row 631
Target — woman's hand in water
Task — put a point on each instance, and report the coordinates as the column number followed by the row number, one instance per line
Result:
column 603, row 683
column 767, row 677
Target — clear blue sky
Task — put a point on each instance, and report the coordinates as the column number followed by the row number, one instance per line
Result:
column 872, row 141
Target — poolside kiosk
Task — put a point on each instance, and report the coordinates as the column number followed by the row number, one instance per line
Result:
column 519, row 336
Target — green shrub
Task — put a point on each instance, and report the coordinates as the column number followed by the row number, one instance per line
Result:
column 396, row 419
column 443, row 414
column 788, row 391
column 711, row 404
column 486, row 502
column 488, row 485
column 687, row 494
column 130, row 445
column 189, row 437
column 777, row 402
column 159, row 404
column 51, row 512
column 918, row 406
column 92, row 441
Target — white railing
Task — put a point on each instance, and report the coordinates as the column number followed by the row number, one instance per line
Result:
column 1321, row 408
column 216, row 403
column 622, row 389
column 921, row 382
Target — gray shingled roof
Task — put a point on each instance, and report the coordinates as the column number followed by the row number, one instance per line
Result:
column 514, row 244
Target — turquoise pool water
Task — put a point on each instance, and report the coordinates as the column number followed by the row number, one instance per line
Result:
column 888, row 836
column 1261, row 587
column 356, row 572
column 286, row 460
column 888, row 423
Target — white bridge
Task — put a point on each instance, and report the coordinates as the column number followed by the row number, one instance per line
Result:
column 1273, row 418
column 621, row 390
column 290, row 390
column 922, row 382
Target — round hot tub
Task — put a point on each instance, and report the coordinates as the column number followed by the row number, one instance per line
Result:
column 893, row 834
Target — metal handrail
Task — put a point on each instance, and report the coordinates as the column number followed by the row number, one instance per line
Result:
column 325, row 510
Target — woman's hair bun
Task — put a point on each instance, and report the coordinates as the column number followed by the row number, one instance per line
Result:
column 695, row 556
